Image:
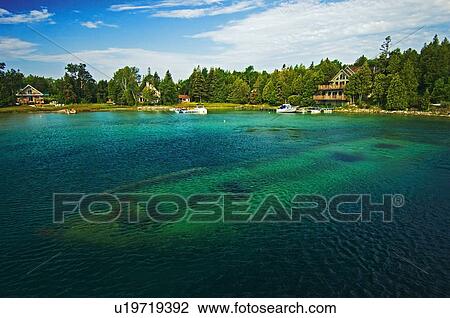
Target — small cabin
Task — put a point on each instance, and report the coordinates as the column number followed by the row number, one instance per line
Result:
column 184, row 98
column 30, row 96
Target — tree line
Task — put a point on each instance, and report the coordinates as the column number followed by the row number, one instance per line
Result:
column 392, row 80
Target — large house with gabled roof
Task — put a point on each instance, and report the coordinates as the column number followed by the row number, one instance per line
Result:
column 30, row 96
column 333, row 92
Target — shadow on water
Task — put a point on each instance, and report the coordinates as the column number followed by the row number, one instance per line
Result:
column 347, row 157
column 387, row 146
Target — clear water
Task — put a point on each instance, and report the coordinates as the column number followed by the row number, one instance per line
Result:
column 255, row 152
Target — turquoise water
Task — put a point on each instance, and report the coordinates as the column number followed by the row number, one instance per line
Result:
column 240, row 152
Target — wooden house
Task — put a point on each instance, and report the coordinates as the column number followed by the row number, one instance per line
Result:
column 157, row 95
column 30, row 96
column 333, row 92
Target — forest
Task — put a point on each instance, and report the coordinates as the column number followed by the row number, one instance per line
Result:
column 392, row 80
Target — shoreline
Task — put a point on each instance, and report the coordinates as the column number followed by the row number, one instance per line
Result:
column 378, row 111
column 83, row 108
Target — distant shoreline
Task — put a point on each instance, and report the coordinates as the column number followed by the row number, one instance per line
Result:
column 81, row 108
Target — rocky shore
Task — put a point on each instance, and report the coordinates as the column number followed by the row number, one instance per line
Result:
column 375, row 110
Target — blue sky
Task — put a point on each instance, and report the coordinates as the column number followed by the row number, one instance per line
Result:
column 179, row 34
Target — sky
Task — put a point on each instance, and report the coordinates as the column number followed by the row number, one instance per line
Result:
column 41, row 37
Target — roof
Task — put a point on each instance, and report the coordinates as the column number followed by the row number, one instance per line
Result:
column 184, row 96
column 348, row 71
column 354, row 68
column 34, row 91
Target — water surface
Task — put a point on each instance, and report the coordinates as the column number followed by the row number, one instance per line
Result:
column 240, row 152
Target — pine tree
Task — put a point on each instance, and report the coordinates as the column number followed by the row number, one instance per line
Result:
column 269, row 93
column 213, row 85
column 256, row 95
column 426, row 100
column 439, row 93
column 360, row 84
column 380, row 89
column 168, row 90
column 198, row 87
column 382, row 61
column 102, row 91
column 156, row 80
column 408, row 76
column 397, row 97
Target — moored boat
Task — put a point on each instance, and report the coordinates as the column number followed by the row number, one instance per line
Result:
column 180, row 110
column 286, row 109
column 314, row 110
column 70, row 111
column 199, row 109
column 327, row 110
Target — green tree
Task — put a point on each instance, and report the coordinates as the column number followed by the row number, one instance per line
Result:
column 328, row 68
column 383, row 58
column 69, row 89
column 397, row 97
column 295, row 100
column 380, row 89
column 11, row 81
column 269, row 93
column 426, row 100
column 123, row 87
column 198, row 85
column 239, row 92
column 361, row 61
column 156, row 80
column 168, row 90
column 439, row 93
column 409, row 78
column 256, row 95
column 360, row 84
column 250, row 76
column 394, row 62
column 102, row 91
column 305, row 85
column 79, row 85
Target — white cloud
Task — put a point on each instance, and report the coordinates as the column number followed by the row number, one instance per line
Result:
column 42, row 15
column 12, row 47
column 109, row 60
column 303, row 30
column 210, row 11
column 292, row 32
column 162, row 4
column 97, row 24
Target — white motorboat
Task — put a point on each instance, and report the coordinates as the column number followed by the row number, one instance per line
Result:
column 314, row 110
column 199, row 109
column 180, row 110
column 286, row 109
column 327, row 110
